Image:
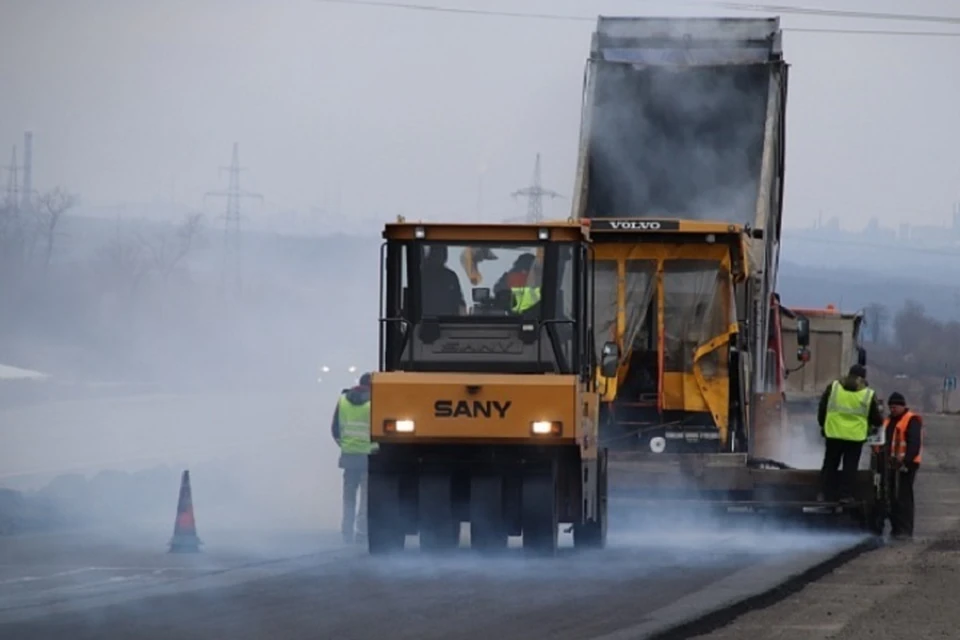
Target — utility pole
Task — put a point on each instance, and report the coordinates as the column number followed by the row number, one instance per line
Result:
column 232, row 261
column 535, row 194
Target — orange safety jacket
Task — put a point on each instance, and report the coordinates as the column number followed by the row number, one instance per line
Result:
column 898, row 443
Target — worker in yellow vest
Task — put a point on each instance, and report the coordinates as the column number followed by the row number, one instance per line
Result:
column 351, row 431
column 847, row 412
column 523, row 281
column 903, row 449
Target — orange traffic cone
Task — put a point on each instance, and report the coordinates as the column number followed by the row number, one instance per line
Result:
column 185, row 528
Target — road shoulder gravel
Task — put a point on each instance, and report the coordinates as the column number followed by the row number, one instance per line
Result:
column 903, row 590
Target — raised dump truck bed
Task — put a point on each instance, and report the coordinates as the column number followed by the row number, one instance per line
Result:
column 684, row 118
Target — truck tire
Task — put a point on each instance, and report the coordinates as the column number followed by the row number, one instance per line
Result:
column 488, row 528
column 385, row 530
column 593, row 534
column 439, row 529
column 540, row 514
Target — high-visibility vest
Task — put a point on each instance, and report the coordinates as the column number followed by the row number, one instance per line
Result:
column 524, row 298
column 847, row 413
column 898, row 443
column 354, row 421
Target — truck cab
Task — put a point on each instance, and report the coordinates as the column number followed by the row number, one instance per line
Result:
column 834, row 344
column 667, row 295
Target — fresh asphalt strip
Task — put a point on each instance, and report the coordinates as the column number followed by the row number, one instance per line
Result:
column 755, row 587
column 36, row 606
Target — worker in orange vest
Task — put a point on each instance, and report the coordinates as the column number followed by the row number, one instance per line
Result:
column 903, row 449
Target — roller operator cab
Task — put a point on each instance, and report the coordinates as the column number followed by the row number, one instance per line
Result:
column 485, row 405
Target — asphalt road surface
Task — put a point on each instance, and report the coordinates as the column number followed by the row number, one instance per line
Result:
column 271, row 566
column 86, row 585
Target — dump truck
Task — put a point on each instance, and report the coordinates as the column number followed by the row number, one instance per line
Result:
column 834, row 345
column 486, row 412
column 680, row 176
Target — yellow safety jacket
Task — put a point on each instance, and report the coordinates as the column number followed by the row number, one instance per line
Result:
column 524, row 298
column 354, row 421
column 848, row 413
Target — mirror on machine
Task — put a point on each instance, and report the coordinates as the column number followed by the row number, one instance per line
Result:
column 609, row 359
column 803, row 339
column 803, row 331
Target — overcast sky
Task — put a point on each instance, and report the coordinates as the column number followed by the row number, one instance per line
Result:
column 402, row 111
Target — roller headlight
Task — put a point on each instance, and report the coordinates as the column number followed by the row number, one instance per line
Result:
column 546, row 428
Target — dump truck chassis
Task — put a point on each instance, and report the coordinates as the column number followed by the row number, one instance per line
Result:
column 500, row 491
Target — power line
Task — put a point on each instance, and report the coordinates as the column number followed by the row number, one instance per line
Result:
column 737, row 6
column 876, row 32
column 838, row 13
column 461, row 10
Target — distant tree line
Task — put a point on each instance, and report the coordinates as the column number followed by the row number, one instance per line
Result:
column 93, row 311
column 149, row 303
column 911, row 352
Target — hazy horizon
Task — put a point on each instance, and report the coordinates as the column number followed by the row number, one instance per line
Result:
column 362, row 113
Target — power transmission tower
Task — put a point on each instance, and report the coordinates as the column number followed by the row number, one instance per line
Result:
column 232, row 260
column 13, row 184
column 535, row 194
column 28, row 193
column 11, row 224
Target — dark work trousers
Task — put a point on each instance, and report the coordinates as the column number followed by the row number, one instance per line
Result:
column 901, row 502
column 835, row 452
column 354, row 480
